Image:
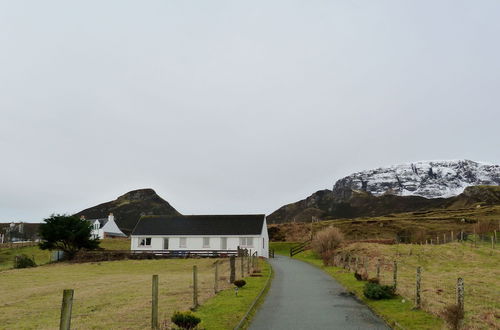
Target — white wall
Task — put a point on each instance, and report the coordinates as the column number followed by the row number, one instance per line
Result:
column 196, row 243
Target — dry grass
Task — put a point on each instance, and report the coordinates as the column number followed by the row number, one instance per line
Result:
column 108, row 295
column 417, row 225
column 441, row 266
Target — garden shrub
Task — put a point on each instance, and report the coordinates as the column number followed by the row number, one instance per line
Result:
column 240, row 283
column 23, row 261
column 376, row 291
column 185, row 320
column 327, row 240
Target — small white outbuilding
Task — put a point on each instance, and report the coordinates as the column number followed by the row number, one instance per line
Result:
column 202, row 233
column 105, row 227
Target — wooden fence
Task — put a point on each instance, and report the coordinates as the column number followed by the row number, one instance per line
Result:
column 224, row 274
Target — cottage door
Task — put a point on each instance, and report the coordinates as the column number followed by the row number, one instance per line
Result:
column 223, row 243
column 165, row 244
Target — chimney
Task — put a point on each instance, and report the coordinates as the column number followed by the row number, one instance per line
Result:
column 111, row 217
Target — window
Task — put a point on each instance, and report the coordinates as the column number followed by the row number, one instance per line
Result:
column 206, row 242
column 183, row 242
column 145, row 241
column 246, row 242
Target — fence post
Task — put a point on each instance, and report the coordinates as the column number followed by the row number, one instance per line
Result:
column 437, row 240
column 417, row 288
column 492, row 243
column 216, row 280
column 378, row 269
column 154, row 303
column 460, row 293
column 195, row 286
column 67, row 305
column 248, row 264
column 242, row 266
column 452, row 236
column 232, row 267
column 462, row 235
column 395, row 275
column 444, row 238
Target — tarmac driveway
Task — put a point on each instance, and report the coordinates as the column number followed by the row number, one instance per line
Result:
column 304, row 297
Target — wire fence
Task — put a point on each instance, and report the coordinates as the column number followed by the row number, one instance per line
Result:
column 476, row 261
column 112, row 295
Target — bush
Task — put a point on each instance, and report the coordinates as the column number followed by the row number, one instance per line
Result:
column 240, row 283
column 453, row 315
column 376, row 291
column 327, row 240
column 23, row 261
column 185, row 320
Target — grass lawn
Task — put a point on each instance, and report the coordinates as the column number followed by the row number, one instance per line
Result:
column 225, row 310
column 394, row 311
column 117, row 294
column 43, row 256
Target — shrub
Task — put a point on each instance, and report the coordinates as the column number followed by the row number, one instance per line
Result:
column 376, row 291
column 453, row 315
column 185, row 320
column 240, row 283
column 327, row 240
column 275, row 234
column 23, row 261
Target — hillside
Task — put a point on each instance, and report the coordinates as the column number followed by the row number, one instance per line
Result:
column 324, row 204
column 406, row 227
column 129, row 207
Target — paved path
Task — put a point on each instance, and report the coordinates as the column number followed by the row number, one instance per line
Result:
column 304, row 297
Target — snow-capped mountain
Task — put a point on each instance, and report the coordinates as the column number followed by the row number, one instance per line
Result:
column 430, row 179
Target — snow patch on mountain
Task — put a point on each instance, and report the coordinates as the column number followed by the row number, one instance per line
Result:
column 430, row 179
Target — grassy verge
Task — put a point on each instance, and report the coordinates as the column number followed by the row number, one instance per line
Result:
column 397, row 312
column 225, row 310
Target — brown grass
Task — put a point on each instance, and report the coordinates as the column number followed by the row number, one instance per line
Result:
column 441, row 266
column 108, row 295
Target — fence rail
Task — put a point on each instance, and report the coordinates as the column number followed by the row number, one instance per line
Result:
column 300, row 248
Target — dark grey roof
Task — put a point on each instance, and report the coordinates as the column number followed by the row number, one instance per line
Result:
column 247, row 224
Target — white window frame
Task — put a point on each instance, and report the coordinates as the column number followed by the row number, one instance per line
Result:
column 145, row 240
column 182, row 242
column 207, row 244
column 246, row 242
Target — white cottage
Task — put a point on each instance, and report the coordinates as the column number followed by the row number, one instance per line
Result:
column 202, row 233
column 105, row 227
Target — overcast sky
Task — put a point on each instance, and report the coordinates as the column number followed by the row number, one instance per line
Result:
column 235, row 106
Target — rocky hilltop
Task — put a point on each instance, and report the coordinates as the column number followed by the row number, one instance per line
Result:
column 128, row 208
column 429, row 179
column 399, row 188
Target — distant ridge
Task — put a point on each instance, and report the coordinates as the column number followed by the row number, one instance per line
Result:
column 399, row 188
column 129, row 207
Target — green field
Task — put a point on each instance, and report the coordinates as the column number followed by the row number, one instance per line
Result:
column 441, row 266
column 117, row 294
column 43, row 256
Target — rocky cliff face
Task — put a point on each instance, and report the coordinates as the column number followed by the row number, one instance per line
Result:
column 399, row 188
column 129, row 207
column 433, row 179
